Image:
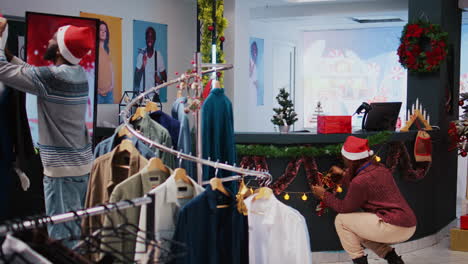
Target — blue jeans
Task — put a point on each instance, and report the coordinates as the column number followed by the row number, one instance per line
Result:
column 107, row 99
column 62, row 195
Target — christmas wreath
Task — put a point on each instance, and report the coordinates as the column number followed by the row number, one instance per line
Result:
column 423, row 47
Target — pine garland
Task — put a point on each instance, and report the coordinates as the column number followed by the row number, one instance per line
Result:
column 206, row 19
column 271, row 151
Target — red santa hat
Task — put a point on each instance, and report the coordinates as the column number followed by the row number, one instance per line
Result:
column 356, row 148
column 74, row 42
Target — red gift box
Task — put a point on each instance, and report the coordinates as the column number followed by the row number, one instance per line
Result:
column 333, row 124
column 464, row 222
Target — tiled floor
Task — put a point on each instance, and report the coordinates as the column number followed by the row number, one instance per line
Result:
column 437, row 254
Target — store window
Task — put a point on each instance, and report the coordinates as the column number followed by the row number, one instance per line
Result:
column 343, row 68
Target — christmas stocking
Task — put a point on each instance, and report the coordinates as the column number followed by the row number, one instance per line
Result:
column 423, row 147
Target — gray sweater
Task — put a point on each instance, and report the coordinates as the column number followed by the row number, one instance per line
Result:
column 62, row 95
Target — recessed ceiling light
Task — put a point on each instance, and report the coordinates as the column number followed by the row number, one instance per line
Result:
column 376, row 19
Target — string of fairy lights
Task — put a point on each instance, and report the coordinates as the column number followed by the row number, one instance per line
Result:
column 304, row 196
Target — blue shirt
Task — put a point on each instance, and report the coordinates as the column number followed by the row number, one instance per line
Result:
column 184, row 142
column 172, row 125
column 218, row 132
column 111, row 142
column 212, row 235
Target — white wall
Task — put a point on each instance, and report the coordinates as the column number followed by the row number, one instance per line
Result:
column 247, row 116
column 179, row 15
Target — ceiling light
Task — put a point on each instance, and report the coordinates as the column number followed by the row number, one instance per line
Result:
column 376, row 19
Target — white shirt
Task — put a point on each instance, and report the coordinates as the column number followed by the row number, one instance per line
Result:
column 277, row 233
column 150, row 69
column 166, row 210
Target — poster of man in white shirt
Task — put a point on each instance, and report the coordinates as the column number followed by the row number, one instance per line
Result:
column 150, row 64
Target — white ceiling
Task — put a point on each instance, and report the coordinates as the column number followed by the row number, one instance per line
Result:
column 330, row 14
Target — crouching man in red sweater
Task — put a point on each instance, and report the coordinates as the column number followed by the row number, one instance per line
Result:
column 374, row 213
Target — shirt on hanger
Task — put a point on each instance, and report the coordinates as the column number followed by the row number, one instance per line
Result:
column 166, row 210
column 154, row 131
column 218, row 132
column 184, row 142
column 212, row 235
column 277, row 233
column 135, row 186
column 104, row 177
column 111, row 142
column 172, row 125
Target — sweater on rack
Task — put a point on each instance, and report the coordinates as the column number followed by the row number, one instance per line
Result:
column 374, row 190
column 62, row 95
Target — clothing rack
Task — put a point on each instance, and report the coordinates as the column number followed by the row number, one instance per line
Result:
column 73, row 216
column 125, row 115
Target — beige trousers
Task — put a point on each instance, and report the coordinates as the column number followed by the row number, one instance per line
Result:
column 367, row 229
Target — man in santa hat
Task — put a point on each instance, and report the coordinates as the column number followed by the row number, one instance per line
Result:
column 374, row 213
column 62, row 94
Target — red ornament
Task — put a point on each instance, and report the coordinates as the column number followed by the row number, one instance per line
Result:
column 461, row 102
column 218, row 74
column 192, row 62
column 211, row 28
column 222, row 38
column 176, row 73
column 463, row 153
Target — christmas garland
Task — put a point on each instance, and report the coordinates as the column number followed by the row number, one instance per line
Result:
column 208, row 28
column 423, row 47
column 271, row 151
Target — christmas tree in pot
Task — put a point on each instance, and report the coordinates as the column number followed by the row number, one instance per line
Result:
column 284, row 116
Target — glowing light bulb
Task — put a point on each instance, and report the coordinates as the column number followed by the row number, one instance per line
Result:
column 304, row 197
column 339, row 189
column 377, row 158
column 286, row 196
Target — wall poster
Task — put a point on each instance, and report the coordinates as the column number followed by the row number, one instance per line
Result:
column 149, row 56
column 256, row 74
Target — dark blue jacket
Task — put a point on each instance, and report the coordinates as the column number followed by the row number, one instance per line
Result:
column 172, row 125
column 211, row 235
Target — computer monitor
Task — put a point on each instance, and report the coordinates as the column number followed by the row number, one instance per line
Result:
column 382, row 116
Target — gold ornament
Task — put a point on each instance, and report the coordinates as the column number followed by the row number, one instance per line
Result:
column 377, row 158
column 304, row 197
column 286, row 196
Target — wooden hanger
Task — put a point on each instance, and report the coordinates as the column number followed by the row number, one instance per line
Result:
column 139, row 113
column 181, row 174
column 263, row 193
column 216, row 84
column 124, row 132
column 125, row 146
column 151, row 107
column 157, row 164
column 217, row 184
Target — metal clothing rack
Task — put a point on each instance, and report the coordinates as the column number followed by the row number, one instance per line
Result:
column 125, row 115
column 73, row 216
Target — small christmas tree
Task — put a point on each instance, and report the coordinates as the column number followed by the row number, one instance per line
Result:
column 318, row 111
column 285, row 114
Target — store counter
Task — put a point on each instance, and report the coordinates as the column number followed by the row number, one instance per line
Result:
column 433, row 198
